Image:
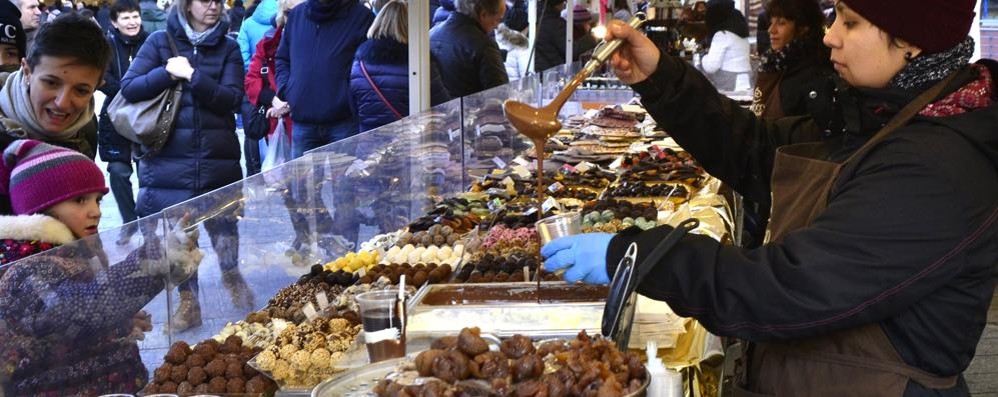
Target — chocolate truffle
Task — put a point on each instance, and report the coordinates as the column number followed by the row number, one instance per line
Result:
column 162, row 374
column 217, row 385
column 178, row 373
column 215, row 368
column 197, row 375
column 185, row 388
column 177, row 354
column 168, row 387
column 235, row 385
column 195, row 360
column 233, row 370
column 256, row 385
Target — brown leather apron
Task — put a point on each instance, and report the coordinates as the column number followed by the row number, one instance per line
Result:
column 854, row 362
column 766, row 99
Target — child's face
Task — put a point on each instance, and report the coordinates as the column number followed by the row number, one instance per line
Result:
column 81, row 214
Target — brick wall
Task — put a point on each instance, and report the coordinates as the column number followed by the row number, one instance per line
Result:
column 989, row 42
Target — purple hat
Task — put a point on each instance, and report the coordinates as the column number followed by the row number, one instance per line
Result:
column 580, row 14
column 37, row 176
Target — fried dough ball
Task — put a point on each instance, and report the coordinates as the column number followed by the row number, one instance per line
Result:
column 517, row 346
column 471, row 343
column 451, row 366
column 527, row 367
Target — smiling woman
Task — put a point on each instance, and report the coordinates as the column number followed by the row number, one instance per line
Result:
column 51, row 97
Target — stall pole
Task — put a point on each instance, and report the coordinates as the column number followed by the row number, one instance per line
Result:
column 569, row 31
column 532, row 31
column 419, row 59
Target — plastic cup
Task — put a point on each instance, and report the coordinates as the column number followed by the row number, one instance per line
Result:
column 560, row 225
column 383, row 331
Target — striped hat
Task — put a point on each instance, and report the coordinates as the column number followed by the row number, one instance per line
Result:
column 37, row 176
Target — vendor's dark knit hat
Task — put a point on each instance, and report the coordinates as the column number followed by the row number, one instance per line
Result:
column 11, row 31
column 932, row 25
column 38, row 175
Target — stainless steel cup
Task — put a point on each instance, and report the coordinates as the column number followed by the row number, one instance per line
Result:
column 560, row 225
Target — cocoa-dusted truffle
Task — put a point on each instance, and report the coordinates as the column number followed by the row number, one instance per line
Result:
column 197, row 375
column 215, row 368
column 151, row 388
column 207, row 349
column 195, row 360
column 256, row 385
column 201, row 389
column 233, row 370
column 178, row 373
column 217, row 385
column 234, row 340
column 168, row 387
column 185, row 388
column 235, row 385
column 162, row 374
column 178, row 353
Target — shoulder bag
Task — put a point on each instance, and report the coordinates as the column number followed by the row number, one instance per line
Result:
column 149, row 122
column 363, row 69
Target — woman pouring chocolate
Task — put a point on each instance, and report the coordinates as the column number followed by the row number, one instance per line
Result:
column 882, row 252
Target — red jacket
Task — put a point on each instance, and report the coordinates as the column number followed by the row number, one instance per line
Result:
column 266, row 49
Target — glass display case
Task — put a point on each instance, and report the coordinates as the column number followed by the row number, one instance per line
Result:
column 306, row 211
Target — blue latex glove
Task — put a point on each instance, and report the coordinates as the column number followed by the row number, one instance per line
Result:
column 584, row 255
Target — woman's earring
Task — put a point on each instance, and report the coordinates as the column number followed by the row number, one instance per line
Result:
column 908, row 56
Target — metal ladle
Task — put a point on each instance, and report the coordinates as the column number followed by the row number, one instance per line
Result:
column 542, row 123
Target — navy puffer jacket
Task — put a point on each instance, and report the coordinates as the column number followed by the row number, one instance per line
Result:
column 387, row 63
column 202, row 153
column 441, row 13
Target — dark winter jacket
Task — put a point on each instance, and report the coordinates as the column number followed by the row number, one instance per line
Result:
column 550, row 44
column 387, row 63
column 908, row 240
column 798, row 82
column 111, row 146
column 468, row 57
column 313, row 60
column 236, row 15
column 442, row 12
column 202, row 153
column 153, row 18
column 69, row 326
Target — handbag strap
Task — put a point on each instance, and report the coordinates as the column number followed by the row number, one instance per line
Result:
column 173, row 45
column 370, row 81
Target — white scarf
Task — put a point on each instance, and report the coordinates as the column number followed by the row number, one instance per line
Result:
column 15, row 105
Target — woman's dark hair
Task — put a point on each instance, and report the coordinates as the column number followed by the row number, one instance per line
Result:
column 722, row 15
column 120, row 6
column 71, row 36
column 808, row 20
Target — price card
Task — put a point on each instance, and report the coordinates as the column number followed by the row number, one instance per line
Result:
column 322, row 299
column 568, row 169
column 454, row 133
column 310, row 312
column 555, row 187
column 584, row 166
column 509, row 182
column 549, row 204
column 521, row 171
column 495, row 204
column 499, row 163
column 497, row 172
column 521, row 161
column 530, row 210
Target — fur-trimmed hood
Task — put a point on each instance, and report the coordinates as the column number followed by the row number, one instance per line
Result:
column 36, row 227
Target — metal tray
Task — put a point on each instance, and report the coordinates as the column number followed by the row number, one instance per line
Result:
column 506, row 317
column 360, row 382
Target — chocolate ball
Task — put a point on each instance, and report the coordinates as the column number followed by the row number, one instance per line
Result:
column 256, row 385
column 168, row 387
column 217, row 385
column 162, row 374
column 185, row 388
column 195, row 360
column 151, row 388
column 178, row 373
column 197, row 376
column 201, row 389
column 216, row 368
column 235, row 385
column 177, row 353
column 233, row 370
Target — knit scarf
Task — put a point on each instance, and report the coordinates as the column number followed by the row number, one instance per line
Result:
column 977, row 94
column 15, row 105
column 196, row 37
column 926, row 70
column 782, row 59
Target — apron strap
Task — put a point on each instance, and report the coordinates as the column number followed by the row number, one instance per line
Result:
column 919, row 376
column 905, row 115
